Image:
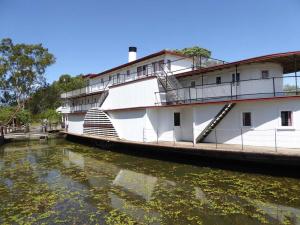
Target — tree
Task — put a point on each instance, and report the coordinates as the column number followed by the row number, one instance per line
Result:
column 195, row 51
column 22, row 68
column 67, row 83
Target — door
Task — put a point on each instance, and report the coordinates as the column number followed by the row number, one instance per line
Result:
column 236, row 88
column 177, row 126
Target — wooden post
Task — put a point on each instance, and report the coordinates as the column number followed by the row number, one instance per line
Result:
column 295, row 70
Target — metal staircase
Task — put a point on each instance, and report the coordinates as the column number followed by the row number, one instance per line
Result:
column 170, row 84
column 218, row 118
column 102, row 98
column 97, row 122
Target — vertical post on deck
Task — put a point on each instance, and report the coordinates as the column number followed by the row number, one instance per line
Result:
column 242, row 140
column 190, row 94
column 193, row 63
column 275, row 139
column 273, row 86
column 216, row 139
column 202, row 86
column 157, row 136
column 295, row 70
column 144, row 134
column 174, row 136
column 231, row 90
column 236, row 85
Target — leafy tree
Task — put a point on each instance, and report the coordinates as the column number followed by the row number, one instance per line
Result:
column 24, row 117
column 5, row 114
column 194, row 51
column 67, row 83
column 22, row 68
column 48, row 96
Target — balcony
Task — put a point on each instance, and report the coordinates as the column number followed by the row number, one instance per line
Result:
column 184, row 64
column 244, row 89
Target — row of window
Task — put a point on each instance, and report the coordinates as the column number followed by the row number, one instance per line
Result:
column 285, row 119
column 285, row 116
column 236, row 78
column 143, row 70
column 153, row 68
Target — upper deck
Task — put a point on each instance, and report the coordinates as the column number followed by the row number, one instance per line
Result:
column 186, row 80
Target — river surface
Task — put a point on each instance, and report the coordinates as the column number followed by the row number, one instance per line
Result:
column 60, row 182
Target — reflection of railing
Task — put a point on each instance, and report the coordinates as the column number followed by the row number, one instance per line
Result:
column 244, row 89
column 181, row 65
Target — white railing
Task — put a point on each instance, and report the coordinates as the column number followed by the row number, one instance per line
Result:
column 272, row 140
column 181, row 65
column 244, row 89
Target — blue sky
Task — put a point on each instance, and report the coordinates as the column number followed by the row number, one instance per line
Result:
column 89, row 36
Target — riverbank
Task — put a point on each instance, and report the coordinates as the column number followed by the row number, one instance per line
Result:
column 254, row 161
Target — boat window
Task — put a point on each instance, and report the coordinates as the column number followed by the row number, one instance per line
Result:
column 144, row 69
column 218, row 80
column 169, row 64
column 128, row 73
column 176, row 119
column 265, row 74
column 139, row 70
column 286, row 118
column 247, row 119
column 193, row 84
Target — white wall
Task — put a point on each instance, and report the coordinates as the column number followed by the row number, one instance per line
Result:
column 247, row 72
column 129, row 124
column 75, row 123
column 265, row 119
column 135, row 94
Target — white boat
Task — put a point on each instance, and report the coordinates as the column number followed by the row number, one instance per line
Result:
column 167, row 96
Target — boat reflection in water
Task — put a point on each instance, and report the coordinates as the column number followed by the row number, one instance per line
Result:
column 140, row 188
column 69, row 183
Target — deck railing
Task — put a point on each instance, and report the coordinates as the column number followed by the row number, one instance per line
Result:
column 244, row 89
column 181, row 65
column 82, row 107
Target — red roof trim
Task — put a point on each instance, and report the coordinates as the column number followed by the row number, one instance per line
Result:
column 163, row 52
column 241, row 62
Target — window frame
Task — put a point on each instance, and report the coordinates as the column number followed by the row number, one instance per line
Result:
column 243, row 119
column 176, row 119
column 193, row 84
column 265, row 73
column 218, row 80
column 291, row 118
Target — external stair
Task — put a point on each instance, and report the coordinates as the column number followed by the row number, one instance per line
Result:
column 218, row 118
column 97, row 122
column 170, row 84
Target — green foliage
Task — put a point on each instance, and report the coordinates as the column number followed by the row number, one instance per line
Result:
column 67, row 83
column 23, row 117
column 22, row 67
column 48, row 96
column 51, row 115
column 194, row 51
column 5, row 114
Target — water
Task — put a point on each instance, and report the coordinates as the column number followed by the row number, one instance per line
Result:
column 60, row 182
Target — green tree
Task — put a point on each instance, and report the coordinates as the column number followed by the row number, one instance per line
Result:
column 194, row 51
column 22, row 68
column 48, row 96
column 23, row 117
column 5, row 114
column 67, row 83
